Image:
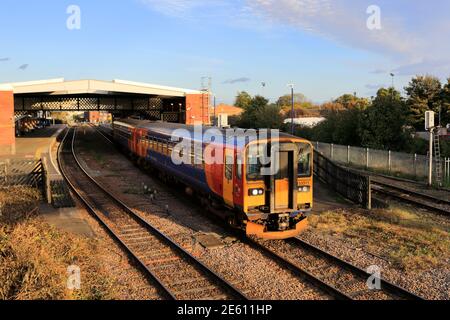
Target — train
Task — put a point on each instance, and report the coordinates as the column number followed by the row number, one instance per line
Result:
column 268, row 206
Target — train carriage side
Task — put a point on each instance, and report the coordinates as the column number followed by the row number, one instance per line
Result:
column 270, row 207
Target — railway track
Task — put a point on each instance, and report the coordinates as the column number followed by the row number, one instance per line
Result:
column 344, row 281
column 338, row 278
column 387, row 288
column 177, row 273
column 422, row 200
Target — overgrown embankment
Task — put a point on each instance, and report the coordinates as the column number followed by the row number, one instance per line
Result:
column 410, row 240
column 34, row 256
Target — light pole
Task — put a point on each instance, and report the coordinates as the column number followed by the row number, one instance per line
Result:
column 215, row 122
column 292, row 108
column 393, row 75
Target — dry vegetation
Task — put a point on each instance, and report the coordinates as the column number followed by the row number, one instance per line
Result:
column 409, row 240
column 34, row 256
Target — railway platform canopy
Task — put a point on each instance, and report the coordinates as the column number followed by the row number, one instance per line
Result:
column 120, row 97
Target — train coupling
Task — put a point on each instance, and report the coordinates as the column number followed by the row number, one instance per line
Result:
column 260, row 231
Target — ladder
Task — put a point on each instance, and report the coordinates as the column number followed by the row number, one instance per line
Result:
column 437, row 156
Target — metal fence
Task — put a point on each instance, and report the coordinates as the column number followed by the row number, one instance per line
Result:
column 412, row 166
column 18, row 172
column 351, row 185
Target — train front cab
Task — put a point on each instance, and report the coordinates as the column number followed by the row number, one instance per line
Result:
column 277, row 205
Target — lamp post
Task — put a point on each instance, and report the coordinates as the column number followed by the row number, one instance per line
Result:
column 215, row 123
column 292, row 107
column 392, row 75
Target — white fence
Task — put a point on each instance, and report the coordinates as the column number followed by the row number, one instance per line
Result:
column 409, row 165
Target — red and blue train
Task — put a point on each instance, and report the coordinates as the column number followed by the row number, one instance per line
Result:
column 272, row 206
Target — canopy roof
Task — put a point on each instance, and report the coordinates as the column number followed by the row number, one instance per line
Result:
column 62, row 87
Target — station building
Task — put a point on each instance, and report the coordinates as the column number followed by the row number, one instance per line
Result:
column 118, row 97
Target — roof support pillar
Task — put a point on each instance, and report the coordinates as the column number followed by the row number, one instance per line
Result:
column 7, row 123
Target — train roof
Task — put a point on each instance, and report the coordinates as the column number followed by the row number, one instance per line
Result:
column 167, row 129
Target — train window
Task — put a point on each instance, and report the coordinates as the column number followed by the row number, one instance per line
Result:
column 229, row 168
column 164, row 147
column 304, row 160
column 192, row 160
column 284, row 164
column 153, row 144
column 239, row 166
column 199, row 160
column 254, row 164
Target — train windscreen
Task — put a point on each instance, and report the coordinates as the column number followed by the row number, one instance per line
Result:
column 304, row 159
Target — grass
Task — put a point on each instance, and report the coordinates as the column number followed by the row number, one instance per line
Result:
column 34, row 256
column 405, row 238
column 16, row 203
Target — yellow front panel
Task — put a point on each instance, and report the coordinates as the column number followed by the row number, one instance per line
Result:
column 282, row 194
column 305, row 197
column 253, row 201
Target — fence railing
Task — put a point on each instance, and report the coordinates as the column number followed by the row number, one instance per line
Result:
column 18, row 172
column 351, row 185
column 412, row 166
column 447, row 170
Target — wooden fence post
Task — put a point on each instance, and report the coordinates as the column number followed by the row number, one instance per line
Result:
column 367, row 158
column 390, row 161
column 348, row 154
column 47, row 185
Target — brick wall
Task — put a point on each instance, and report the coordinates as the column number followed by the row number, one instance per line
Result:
column 197, row 109
column 7, row 133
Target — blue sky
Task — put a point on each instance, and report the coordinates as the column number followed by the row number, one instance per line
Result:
column 322, row 46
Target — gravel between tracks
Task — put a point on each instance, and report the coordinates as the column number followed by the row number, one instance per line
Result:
column 431, row 284
column 246, row 268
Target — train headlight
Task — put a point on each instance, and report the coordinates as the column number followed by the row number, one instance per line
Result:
column 304, row 189
column 255, row 192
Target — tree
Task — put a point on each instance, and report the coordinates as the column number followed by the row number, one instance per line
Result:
column 286, row 100
column 382, row 125
column 331, row 106
column 445, row 103
column 269, row 117
column 249, row 117
column 351, row 102
column 424, row 94
column 243, row 100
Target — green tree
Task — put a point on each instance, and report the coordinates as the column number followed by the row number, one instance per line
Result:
column 249, row 117
column 445, row 103
column 424, row 93
column 340, row 127
column 243, row 100
column 286, row 100
column 382, row 125
column 352, row 102
column 269, row 117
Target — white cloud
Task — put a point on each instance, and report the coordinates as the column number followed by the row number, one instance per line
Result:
column 341, row 20
column 411, row 35
column 182, row 8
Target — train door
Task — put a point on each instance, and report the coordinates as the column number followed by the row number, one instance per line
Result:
column 228, row 177
column 284, row 181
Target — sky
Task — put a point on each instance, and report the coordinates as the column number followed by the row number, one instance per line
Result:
column 323, row 47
